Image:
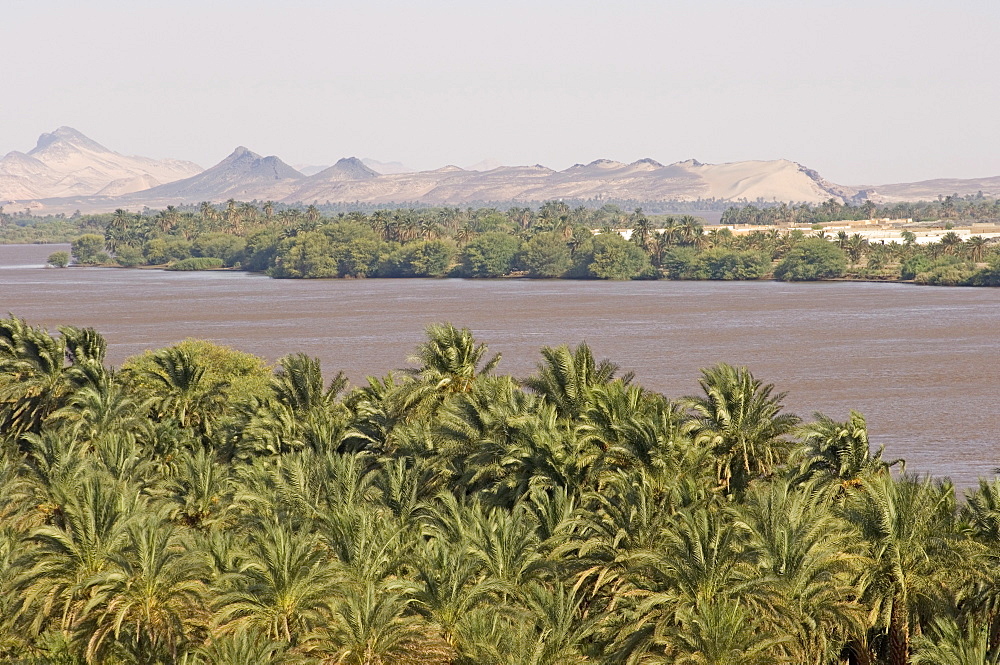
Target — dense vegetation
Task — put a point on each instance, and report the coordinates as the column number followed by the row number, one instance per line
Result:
column 555, row 241
column 194, row 507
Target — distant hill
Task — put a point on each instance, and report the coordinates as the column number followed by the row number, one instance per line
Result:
column 929, row 190
column 67, row 171
column 65, row 163
column 243, row 175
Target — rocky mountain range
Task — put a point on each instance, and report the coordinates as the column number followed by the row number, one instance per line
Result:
column 67, row 171
column 65, row 163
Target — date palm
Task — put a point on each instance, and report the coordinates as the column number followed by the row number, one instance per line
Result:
column 810, row 559
column 33, row 385
column 283, row 587
column 150, row 600
column 182, row 391
column 567, row 377
column 909, row 530
column 451, row 359
column 839, row 453
column 740, row 420
column 949, row 643
column 375, row 625
column 89, row 527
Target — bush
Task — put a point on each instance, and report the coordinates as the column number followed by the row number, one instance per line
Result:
column 128, row 257
column 432, row 258
column 546, row 256
column 197, row 263
column 722, row 263
column 58, row 259
column 88, row 249
column 164, row 250
column 490, row 255
column 812, row 259
column 223, row 246
column 616, row 258
column 959, row 274
column 914, row 265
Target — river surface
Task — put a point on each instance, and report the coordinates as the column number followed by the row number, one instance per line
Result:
column 921, row 363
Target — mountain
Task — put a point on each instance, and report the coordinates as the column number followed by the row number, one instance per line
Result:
column 68, row 171
column 66, row 163
column 929, row 190
column 387, row 168
column 349, row 169
column 643, row 180
column 243, row 175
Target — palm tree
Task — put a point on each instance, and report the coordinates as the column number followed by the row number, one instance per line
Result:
column 34, row 378
column 182, row 392
column 242, row 647
column 975, row 246
column 88, row 526
column 566, row 378
column 740, row 421
column 283, row 587
column 909, row 529
column 149, row 602
column 641, row 229
column 950, row 242
column 374, row 625
column 811, row 559
column 839, row 452
column 450, row 359
column 949, row 643
column 451, row 586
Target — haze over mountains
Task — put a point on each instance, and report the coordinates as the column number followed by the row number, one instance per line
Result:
column 67, row 171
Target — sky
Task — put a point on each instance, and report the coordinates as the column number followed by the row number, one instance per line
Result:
column 864, row 92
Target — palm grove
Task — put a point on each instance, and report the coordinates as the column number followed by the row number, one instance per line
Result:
column 195, row 507
column 555, row 241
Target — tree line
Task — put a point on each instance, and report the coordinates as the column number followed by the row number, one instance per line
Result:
column 555, row 241
column 194, row 506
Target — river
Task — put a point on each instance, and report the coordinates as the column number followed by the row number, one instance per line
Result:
column 921, row 363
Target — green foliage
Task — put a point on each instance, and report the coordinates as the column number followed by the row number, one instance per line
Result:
column 223, row 246
column 128, row 257
column 812, row 259
column 490, row 255
column 546, row 256
column 988, row 276
column 58, row 259
column 197, row 508
column 613, row 257
column 159, row 251
column 556, row 241
column 716, row 263
column 88, row 249
column 197, row 263
column 432, row 258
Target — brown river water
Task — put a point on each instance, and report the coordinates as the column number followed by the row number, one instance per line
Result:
column 921, row 363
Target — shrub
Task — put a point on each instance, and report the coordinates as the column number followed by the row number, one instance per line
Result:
column 58, row 259
column 197, row 263
column 128, row 256
column 616, row 258
column 812, row 259
column 432, row 258
column 490, row 255
column 546, row 256
column 88, row 249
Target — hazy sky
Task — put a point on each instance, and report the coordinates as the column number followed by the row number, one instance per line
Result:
column 865, row 92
